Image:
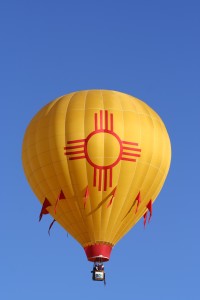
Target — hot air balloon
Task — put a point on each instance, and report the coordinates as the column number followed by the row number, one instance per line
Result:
column 96, row 160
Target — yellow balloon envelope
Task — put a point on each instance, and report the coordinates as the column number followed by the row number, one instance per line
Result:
column 96, row 160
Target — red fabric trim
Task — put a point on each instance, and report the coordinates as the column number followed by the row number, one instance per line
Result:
column 150, row 209
column 86, row 196
column 113, row 195
column 145, row 218
column 44, row 211
column 60, row 197
column 98, row 252
column 138, row 199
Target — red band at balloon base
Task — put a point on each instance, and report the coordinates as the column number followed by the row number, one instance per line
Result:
column 99, row 252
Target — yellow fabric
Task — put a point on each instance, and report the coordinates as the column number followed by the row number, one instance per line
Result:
column 101, row 123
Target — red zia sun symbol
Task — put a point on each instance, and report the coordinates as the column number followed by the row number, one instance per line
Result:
column 107, row 158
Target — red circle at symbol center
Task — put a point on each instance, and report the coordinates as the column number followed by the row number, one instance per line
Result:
column 103, row 149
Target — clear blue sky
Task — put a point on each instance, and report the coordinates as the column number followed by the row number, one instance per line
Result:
column 150, row 49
